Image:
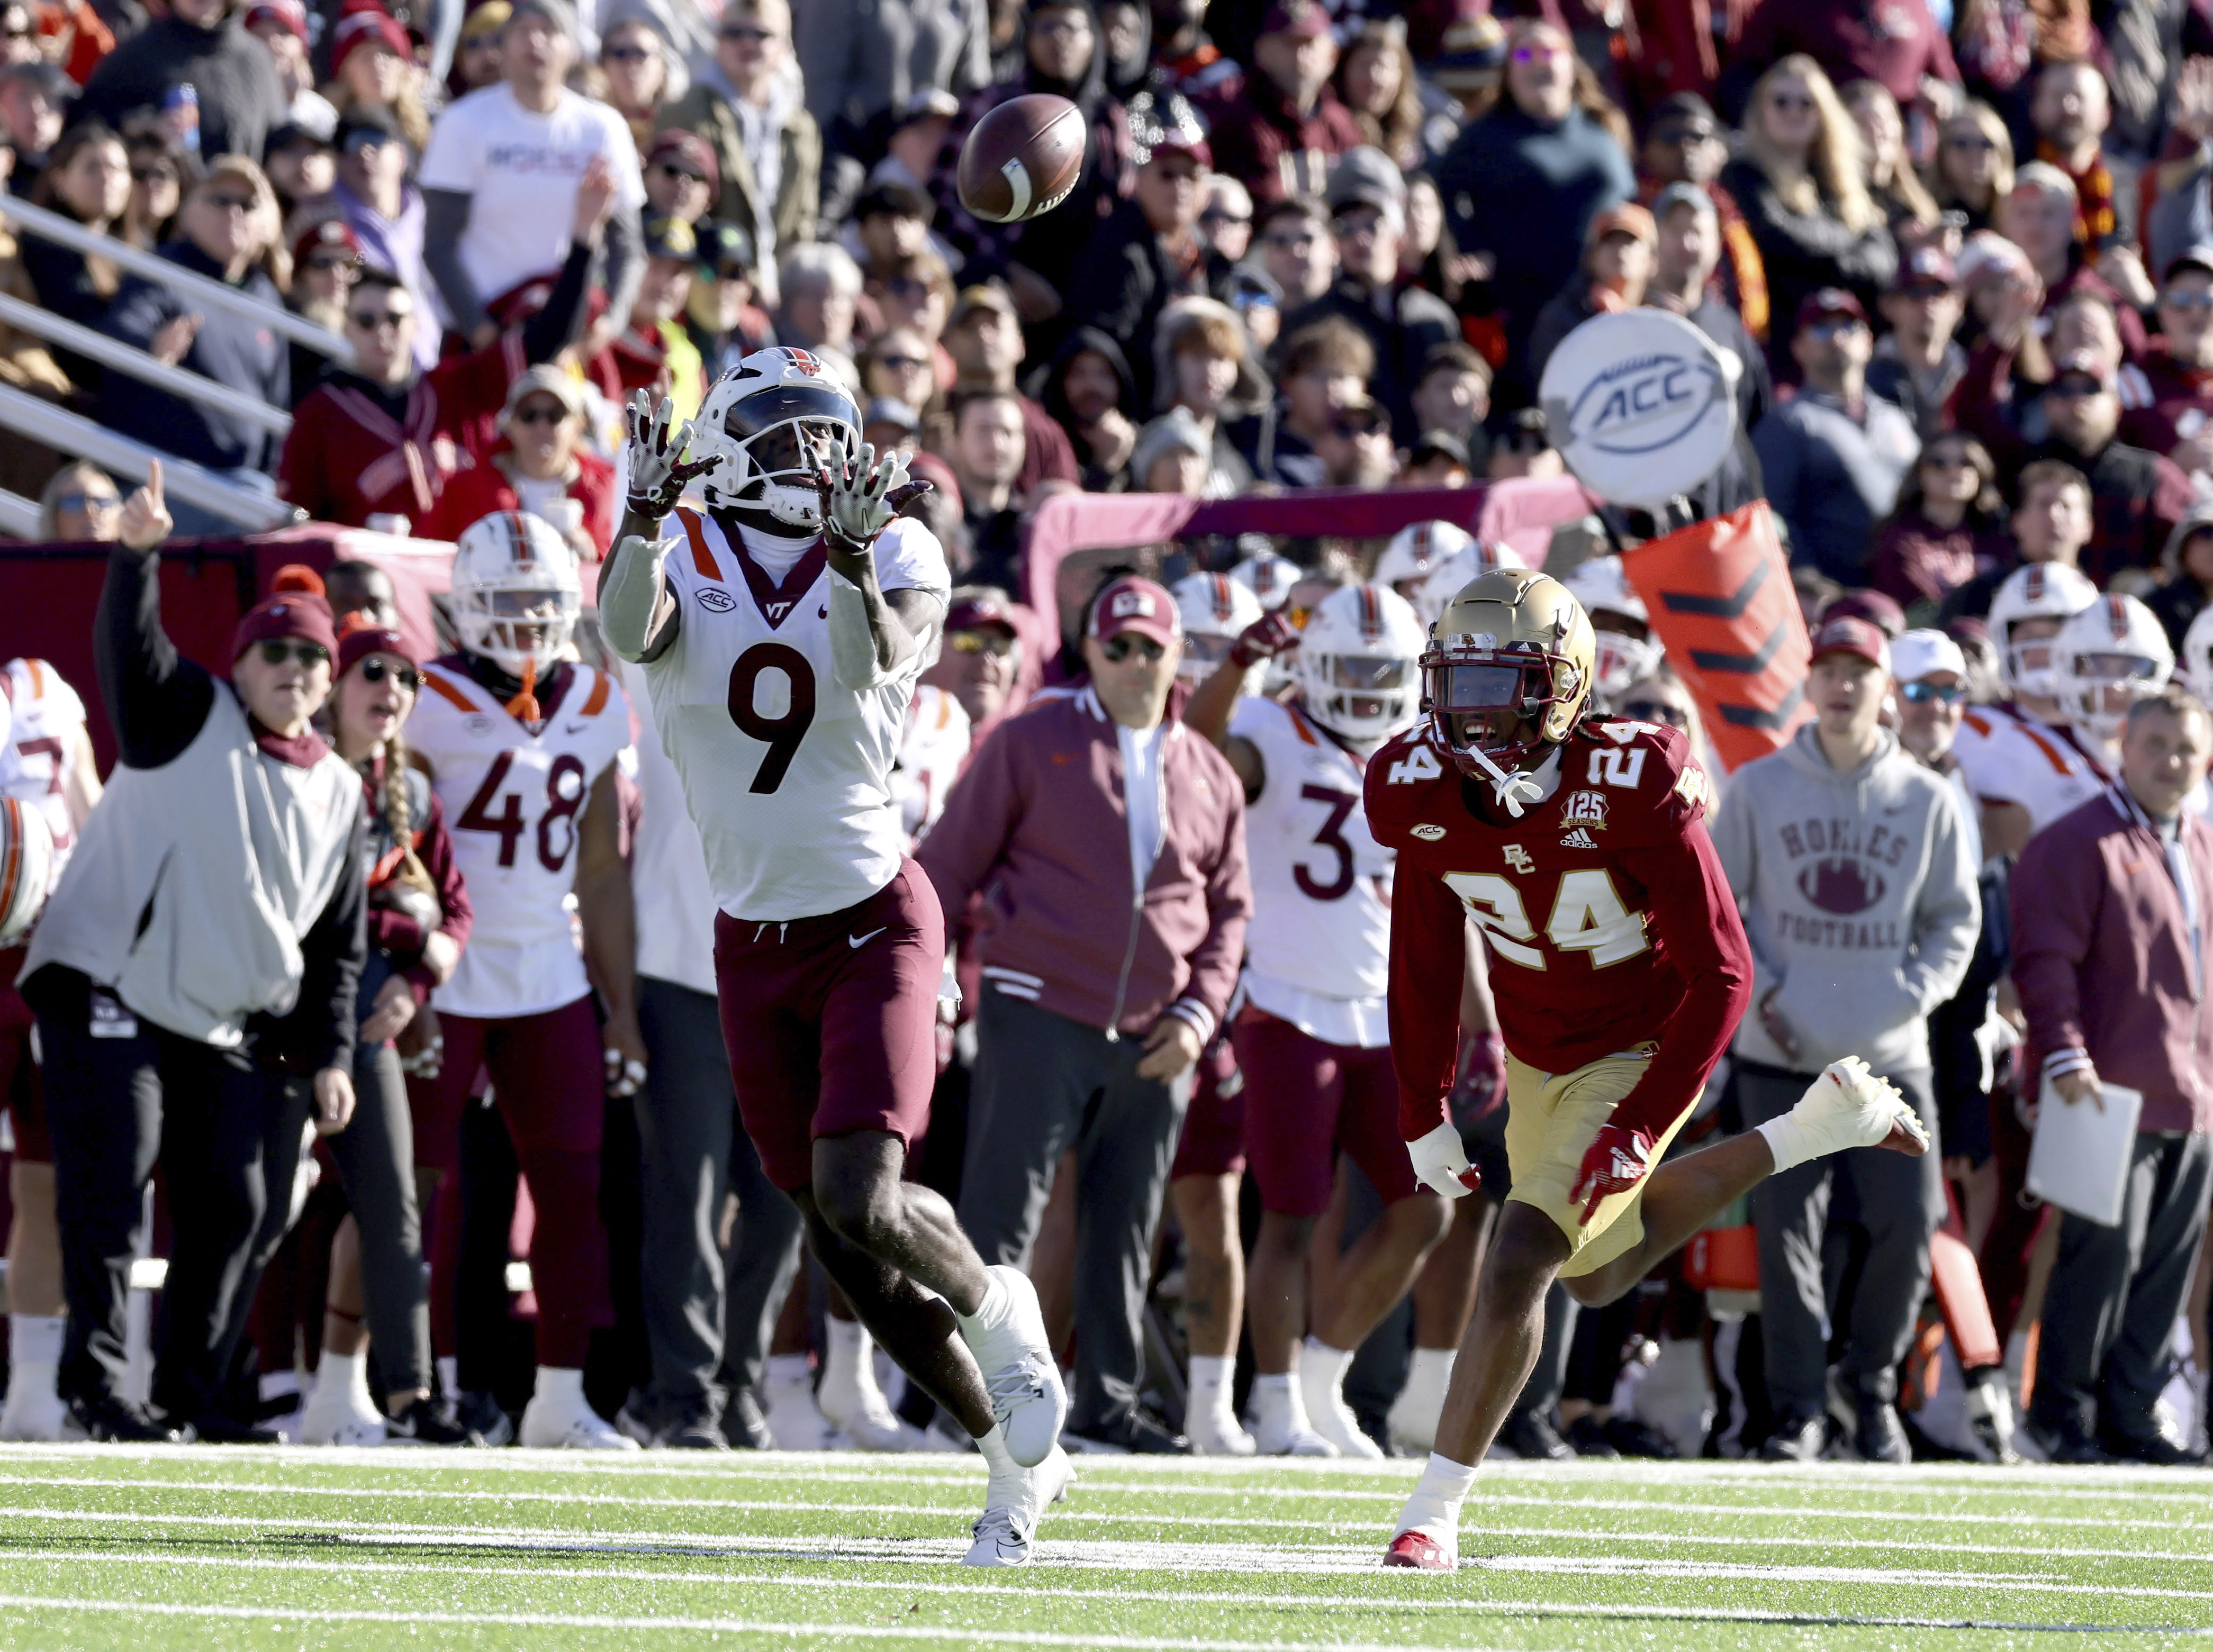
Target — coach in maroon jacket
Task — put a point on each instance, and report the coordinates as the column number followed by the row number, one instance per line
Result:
column 1108, row 842
column 2110, row 905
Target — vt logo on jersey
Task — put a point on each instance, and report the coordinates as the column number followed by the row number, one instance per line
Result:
column 1518, row 858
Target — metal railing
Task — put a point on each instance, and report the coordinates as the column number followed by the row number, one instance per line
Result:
column 128, row 360
column 48, row 225
column 19, row 517
column 43, row 421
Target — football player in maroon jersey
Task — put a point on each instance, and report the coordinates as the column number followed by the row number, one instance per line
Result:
column 1578, row 846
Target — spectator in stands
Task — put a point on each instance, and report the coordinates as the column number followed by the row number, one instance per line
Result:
column 1377, row 82
column 984, row 338
column 1901, row 48
column 1522, row 185
column 644, row 75
column 1917, row 363
column 1225, row 222
column 1145, row 253
column 890, row 224
column 1090, row 390
column 861, row 60
column 682, row 177
column 373, row 68
column 1684, row 145
column 1086, row 1037
column 34, row 100
column 1173, row 455
column 2186, row 565
column 987, row 452
column 1355, row 448
column 747, row 103
column 1616, row 268
column 2109, row 959
column 982, row 663
column 655, row 349
column 1801, row 185
column 87, row 177
column 1326, row 368
column 1204, row 371
column 1834, row 455
column 201, row 47
column 1296, row 251
column 1948, row 527
column 2050, row 523
column 1688, row 244
column 375, row 444
column 917, row 293
column 1402, row 322
column 325, row 261
column 821, row 286
column 544, row 469
column 729, row 325
column 162, row 998
column 2137, row 497
column 160, row 170
column 476, row 56
column 302, row 168
column 2071, row 110
column 2177, row 369
column 898, row 364
column 1452, row 397
column 1892, row 862
column 1974, row 173
column 1276, row 136
column 1893, row 184
column 80, row 503
column 2038, row 216
column 229, row 225
column 385, row 212
column 500, row 176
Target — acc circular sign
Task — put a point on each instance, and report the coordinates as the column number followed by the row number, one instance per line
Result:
column 1640, row 403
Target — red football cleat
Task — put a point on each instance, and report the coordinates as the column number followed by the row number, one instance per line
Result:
column 1419, row 1549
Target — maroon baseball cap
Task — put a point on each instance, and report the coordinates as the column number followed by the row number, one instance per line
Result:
column 1303, row 18
column 1826, row 303
column 1926, row 268
column 298, row 614
column 1878, row 609
column 973, row 613
column 2089, row 364
column 1136, row 604
column 1845, row 634
column 691, row 148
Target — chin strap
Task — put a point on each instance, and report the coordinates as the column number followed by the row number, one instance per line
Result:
column 1512, row 790
column 524, row 706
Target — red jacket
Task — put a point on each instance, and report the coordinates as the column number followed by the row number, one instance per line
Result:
column 476, row 493
column 2179, row 391
column 1273, row 150
column 1038, row 824
column 2101, row 958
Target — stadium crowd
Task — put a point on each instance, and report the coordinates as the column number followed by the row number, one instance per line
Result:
column 1958, row 258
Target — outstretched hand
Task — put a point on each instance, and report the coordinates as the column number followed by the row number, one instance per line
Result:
column 861, row 493
column 146, row 522
column 659, row 472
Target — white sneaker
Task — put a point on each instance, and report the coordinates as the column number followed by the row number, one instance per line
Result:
column 1284, row 1437
column 1412, row 1419
column 1849, row 1106
column 1012, row 1507
column 1215, row 1432
column 850, row 1401
column 1332, row 1420
column 339, row 1412
column 1020, row 1376
column 550, row 1424
column 794, row 1421
column 35, row 1412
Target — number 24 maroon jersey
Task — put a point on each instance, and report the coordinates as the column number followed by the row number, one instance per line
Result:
column 1606, row 919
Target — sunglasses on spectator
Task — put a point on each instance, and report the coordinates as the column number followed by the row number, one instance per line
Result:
column 1656, row 711
column 1301, row 242
column 1836, row 329
column 1946, row 461
column 1969, row 141
column 226, row 202
column 2188, row 298
column 375, row 669
column 1537, row 51
column 2073, row 386
column 1223, row 216
column 903, row 364
column 995, row 642
column 326, row 261
column 1789, row 101
column 375, row 320
column 668, row 169
column 907, row 286
column 1118, row 648
column 88, row 503
column 626, row 54
column 1921, row 693
column 751, row 34
column 275, row 651
column 154, row 175
column 540, row 413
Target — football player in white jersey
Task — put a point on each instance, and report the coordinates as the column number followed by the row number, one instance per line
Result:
column 1417, row 551
column 1314, row 1042
column 2105, row 658
column 781, row 631
column 1442, row 582
column 2021, row 757
column 520, row 744
column 47, row 762
column 932, row 748
column 1215, row 608
column 1627, row 652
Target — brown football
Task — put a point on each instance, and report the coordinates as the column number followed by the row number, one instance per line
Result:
column 1020, row 160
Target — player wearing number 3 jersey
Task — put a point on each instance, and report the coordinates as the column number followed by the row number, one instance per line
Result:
column 1620, row 968
column 781, row 632
column 520, row 744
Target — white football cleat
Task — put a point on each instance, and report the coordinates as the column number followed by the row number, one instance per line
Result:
column 338, row 1412
column 795, row 1423
column 1332, row 1420
column 551, row 1422
column 1020, row 1376
column 1217, row 1433
column 849, row 1399
column 1013, row 1505
column 35, row 1413
column 1284, row 1436
column 1846, row 1107
column 1412, row 1420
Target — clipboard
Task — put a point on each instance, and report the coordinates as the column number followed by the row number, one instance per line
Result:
column 2079, row 1159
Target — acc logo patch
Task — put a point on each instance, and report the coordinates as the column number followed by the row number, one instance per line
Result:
column 1428, row 833
column 716, row 601
column 1589, row 807
column 477, row 723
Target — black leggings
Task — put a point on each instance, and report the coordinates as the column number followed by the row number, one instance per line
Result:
column 375, row 1156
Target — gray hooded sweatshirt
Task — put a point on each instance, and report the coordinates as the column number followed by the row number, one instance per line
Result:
column 1858, row 894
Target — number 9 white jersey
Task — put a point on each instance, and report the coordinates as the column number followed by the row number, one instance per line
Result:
column 787, row 772
column 1318, row 946
column 513, row 803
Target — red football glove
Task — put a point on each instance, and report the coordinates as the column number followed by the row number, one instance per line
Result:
column 1617, row 1160
column 1479, row 1086
column 1264, row 638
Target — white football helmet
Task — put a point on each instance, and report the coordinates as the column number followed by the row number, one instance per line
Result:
column 2039, row 590
column 2196, row 660
column 1445, row 579
column 1415, row 552
column 27, row 868
column 1269, row 577
column 516, row 593
column 2105, row 658
column 1601, row 585
column 757, row 424
column 1358, row 666
column 1214, row 609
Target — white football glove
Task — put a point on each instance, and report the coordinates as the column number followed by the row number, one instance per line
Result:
column 1441, row 1164
column 861, row 494
column 655, row 453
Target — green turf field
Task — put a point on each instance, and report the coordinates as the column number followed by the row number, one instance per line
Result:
column 204, row 1550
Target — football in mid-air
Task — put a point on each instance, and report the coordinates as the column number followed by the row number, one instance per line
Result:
column 1020, row 160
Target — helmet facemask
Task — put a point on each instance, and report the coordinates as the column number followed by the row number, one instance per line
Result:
column 779, row 441
column 2098, row 690
column 1498, row 706
column 517, row 626
column 1363, row 698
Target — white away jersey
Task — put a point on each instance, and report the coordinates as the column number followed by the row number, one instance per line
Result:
column 788, row 773
column 40, row 762
column 2010, row 757
column 1318, row 946
column 930, row 755
column 513, row 800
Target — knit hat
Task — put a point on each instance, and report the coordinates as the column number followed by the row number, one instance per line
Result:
column 1173, row 431
column 363, row 28
column 295, row 614
column 358, row 639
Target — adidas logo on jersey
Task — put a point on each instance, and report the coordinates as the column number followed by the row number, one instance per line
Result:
column 1578, row 839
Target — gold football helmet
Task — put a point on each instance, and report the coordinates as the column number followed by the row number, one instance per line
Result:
column 1508, row 669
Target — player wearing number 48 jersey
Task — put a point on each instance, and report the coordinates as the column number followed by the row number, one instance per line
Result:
column 781, row 632
column 1619, row 966
column 520, row 744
